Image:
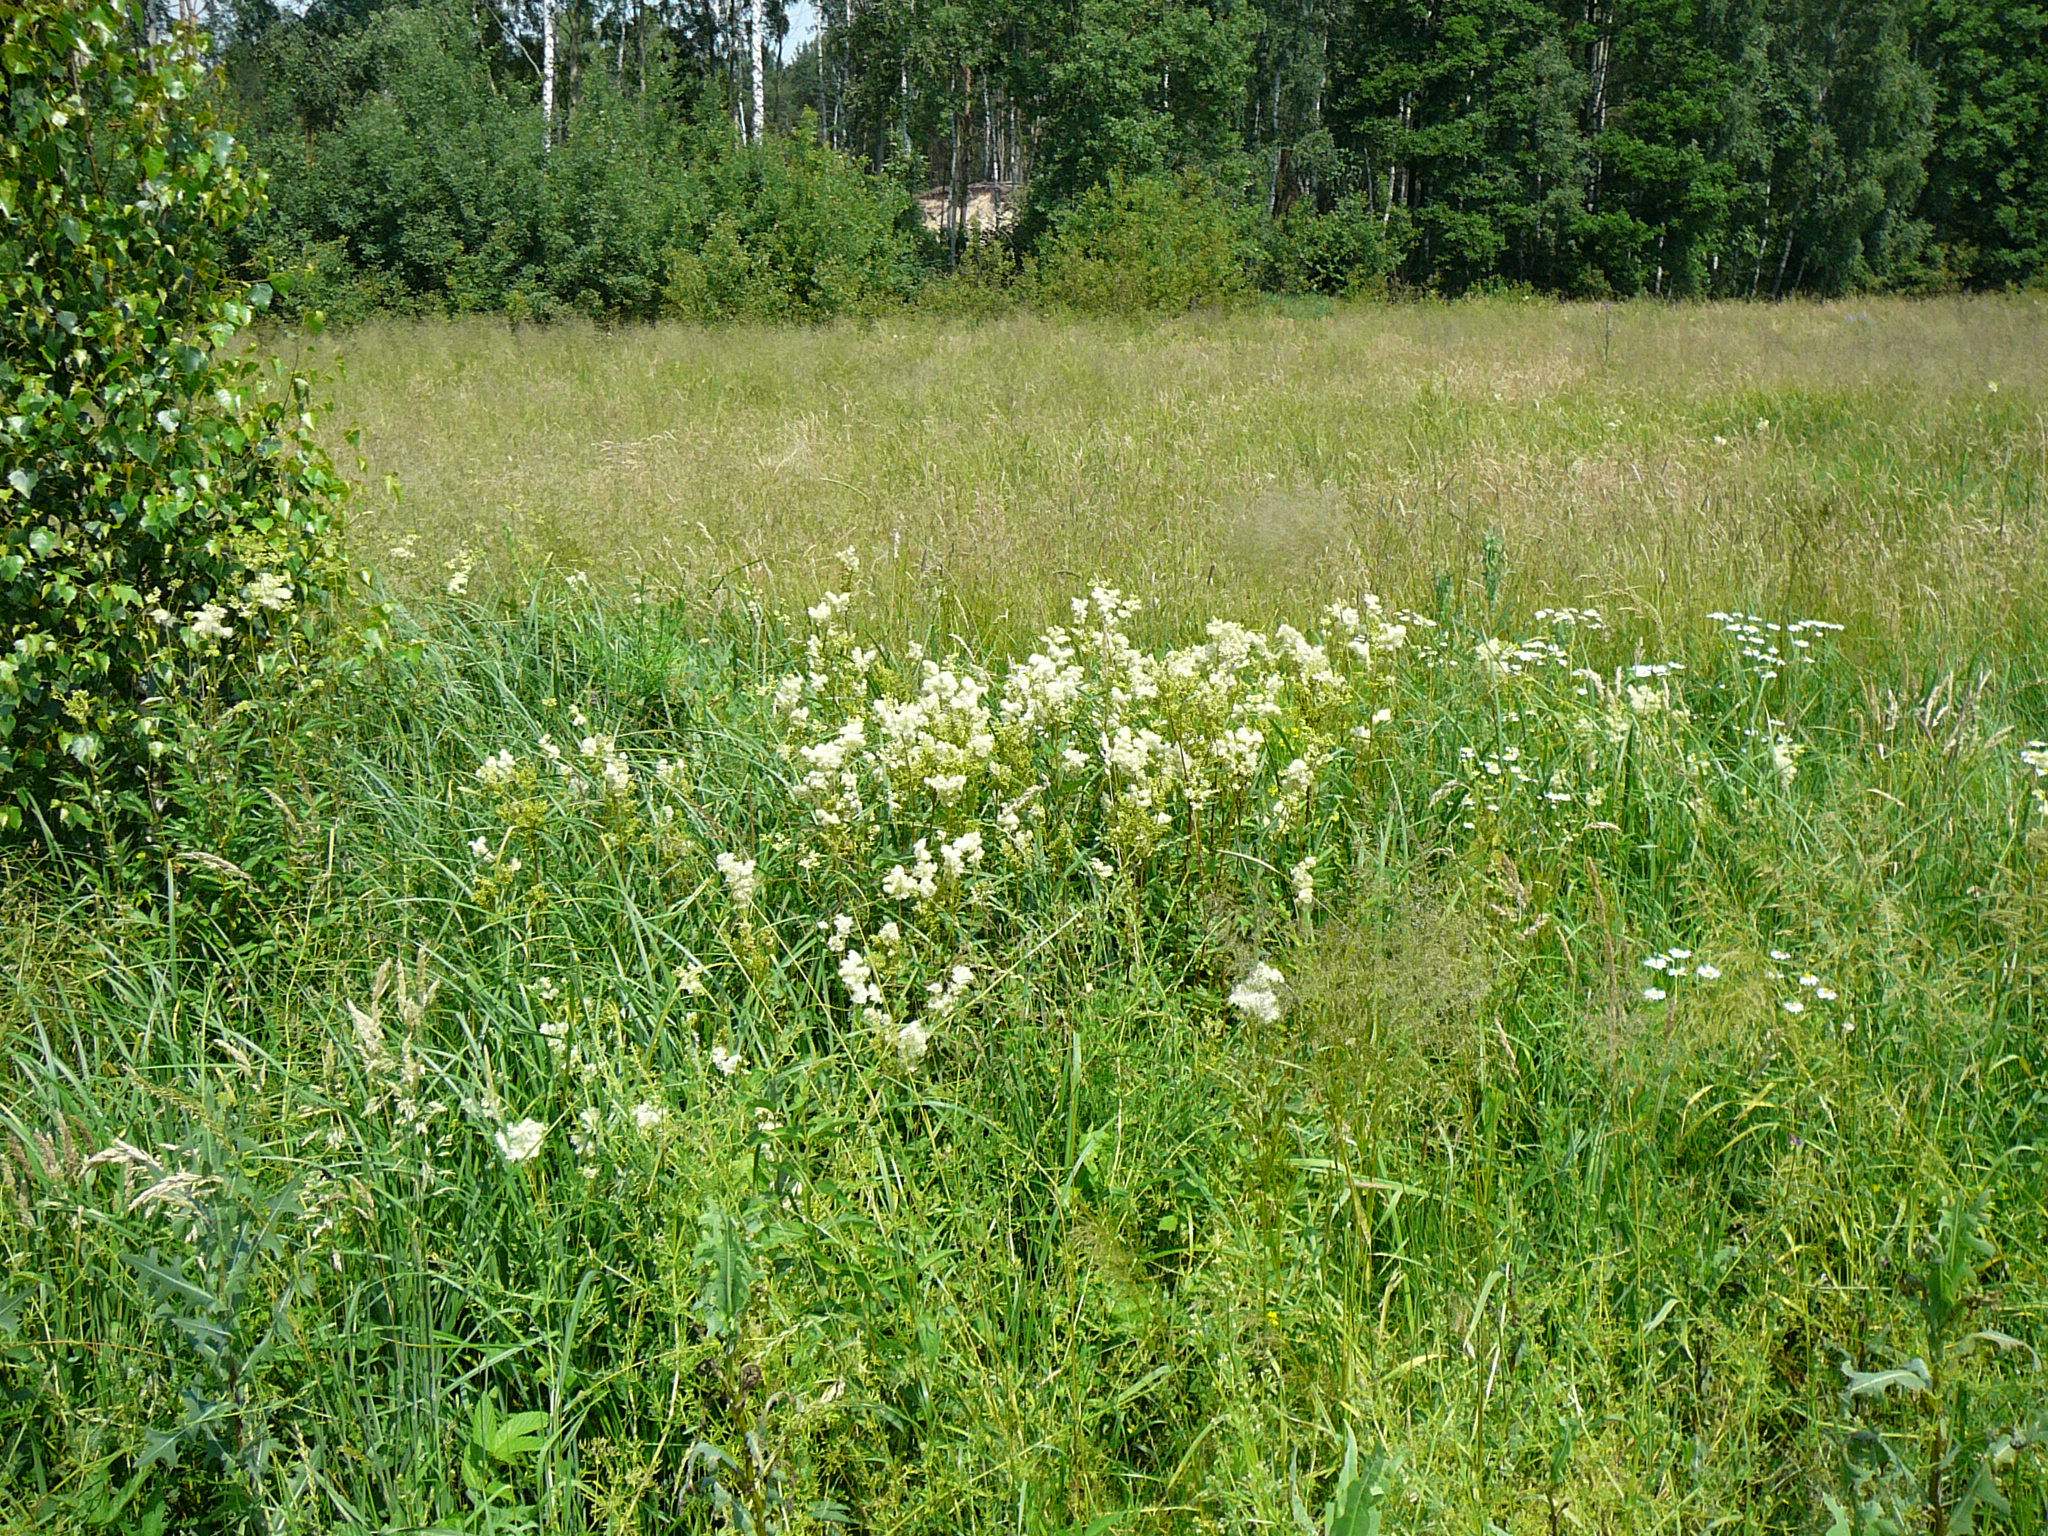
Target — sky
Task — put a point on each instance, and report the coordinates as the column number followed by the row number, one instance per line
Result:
column 803, row 21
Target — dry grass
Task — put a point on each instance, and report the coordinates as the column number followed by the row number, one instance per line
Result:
column 1243, row 463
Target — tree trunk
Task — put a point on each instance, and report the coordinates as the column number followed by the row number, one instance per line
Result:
column 547, row 72
column 757, row 57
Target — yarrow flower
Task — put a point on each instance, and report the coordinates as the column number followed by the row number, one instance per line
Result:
column 521, row 1141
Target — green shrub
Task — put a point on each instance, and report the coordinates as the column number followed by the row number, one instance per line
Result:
column 1348, row 250
column 788, row 230
column 165, row 520
column 1142, row 245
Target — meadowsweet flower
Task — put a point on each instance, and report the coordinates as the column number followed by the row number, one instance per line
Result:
column 210, row 622
column 521, row 1141
column 960, row 853
column 497, row 770
column 649, row 1118
column 480, row 846
column 1303, row 878
column 268, row 591
column 1785, row 760
column 727, row 1062
column 1257, row 997
column 741, row 882
column 858, row 979
column 912, row 1040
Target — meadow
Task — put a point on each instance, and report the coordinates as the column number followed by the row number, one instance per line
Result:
column 1395, row 919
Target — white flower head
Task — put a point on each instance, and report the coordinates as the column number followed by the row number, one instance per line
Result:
column 521, row 1141
column 727, row 1062
column 210, row 622
column 1257, row 997
column 741, row 881
column 649, row 1118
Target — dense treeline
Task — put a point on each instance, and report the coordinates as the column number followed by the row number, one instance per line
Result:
column 634, row 157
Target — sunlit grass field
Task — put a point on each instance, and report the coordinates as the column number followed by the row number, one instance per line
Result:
column 1404, row 920
column 1880, row 460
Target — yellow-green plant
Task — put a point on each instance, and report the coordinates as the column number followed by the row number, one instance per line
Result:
column 165, row 517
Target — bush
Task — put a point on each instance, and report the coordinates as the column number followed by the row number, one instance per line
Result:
column 1348, row 250
column 165, row 520
column 1144, row 245
column 788, row 230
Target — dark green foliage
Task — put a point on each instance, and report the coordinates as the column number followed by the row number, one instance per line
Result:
column 1349, row 250
column 1690, row 148
column 787, row 230
column 165, row 521
column 1987, row 173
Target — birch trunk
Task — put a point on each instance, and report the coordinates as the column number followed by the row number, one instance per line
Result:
column 757, row 50
column 547, row 72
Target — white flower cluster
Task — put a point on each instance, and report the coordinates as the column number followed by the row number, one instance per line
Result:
column 1675, row 965
column 1758, row 640
column 1258, row 996
column 2034, row 755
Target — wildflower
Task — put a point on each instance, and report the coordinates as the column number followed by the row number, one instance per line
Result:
column 1809, row 981
column 1825, row 994
column 521, row 1141
column 1780, row 955
column 1793, row 1005
column 1657, row 962
column 1785, row 760
column 649, row 1118
column 859, row 980
column 497, row 770
column 1257, row 997
column 1679, row 954
column 727, row 1062
column 741, row 882
column 912, row 1039
column 1654, row 994
column 210, row 622
column 268, row 591
column 1303, row 877
column 481, row 847
column 1707, row 972
column 964, row 850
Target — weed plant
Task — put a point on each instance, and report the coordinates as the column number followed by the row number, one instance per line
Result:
column 688, row 1063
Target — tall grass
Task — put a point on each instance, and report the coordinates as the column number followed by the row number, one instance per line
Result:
column 1879, row 461
column 1525, row 1176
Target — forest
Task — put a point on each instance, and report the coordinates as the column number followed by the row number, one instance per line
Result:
column 734, row 159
